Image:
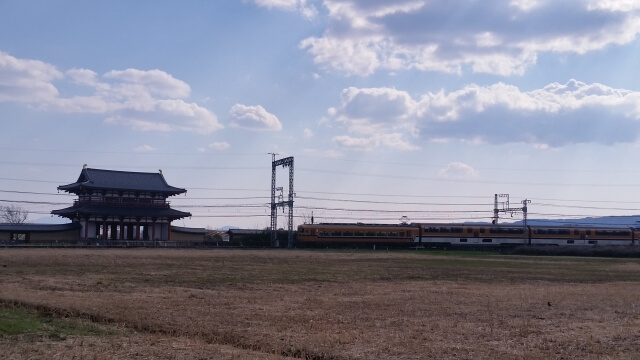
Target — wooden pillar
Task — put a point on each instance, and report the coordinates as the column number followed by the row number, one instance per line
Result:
column 114, row 232
column 153, row 229
column 121, row 227
column 137, row 228
column 168, row 229
column 86, row 227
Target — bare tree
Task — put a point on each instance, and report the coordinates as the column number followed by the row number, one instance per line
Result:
column 13, row 214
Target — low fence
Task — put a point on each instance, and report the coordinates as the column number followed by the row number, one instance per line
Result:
column 111, row 244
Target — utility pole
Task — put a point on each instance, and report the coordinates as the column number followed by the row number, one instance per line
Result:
column 274, row 208
column 527, row 239
column 286, row 162
column 506, row 209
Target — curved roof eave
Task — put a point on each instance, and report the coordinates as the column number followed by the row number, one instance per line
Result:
column 73, row 212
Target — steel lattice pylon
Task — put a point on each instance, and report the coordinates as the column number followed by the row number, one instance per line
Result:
column 506, row 209
column 286, row 162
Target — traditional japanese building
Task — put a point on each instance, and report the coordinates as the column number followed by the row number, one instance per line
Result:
column 122, row 205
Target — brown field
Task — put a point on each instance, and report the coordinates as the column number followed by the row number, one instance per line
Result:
column 277, row 304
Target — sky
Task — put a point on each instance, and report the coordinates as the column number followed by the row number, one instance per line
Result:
column 420, row 110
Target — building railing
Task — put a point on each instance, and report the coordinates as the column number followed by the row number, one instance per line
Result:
column 120, row 203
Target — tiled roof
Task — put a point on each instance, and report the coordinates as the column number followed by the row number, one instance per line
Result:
column 96, row 210
column 121, row 180
column 188, row 230
column 39, row 227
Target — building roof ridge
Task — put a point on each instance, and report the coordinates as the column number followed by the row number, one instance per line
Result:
column 107, row 179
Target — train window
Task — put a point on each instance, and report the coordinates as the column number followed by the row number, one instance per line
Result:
column 393, row 234
column 570, row 241
column 487, row 240
column 401, row 233
column 347, row 233
column 370, row 233
column 382, row 233
column 481, row 230
column 612, row 232
column 336, row 233
column 563, row 232
column 456, row 229
column 469, row 230
column 359, row 233
column 588, row 232
column 463, row 240
column 576, row 232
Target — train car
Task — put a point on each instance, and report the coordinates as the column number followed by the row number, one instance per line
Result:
column 357, row 234
column 583, row 236
column 462, row 235
column 455, row 235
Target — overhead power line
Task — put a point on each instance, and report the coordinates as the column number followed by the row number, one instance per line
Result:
column 342, row 160
column 391, row 202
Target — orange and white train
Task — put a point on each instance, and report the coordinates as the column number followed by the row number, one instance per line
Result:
column 463, row 235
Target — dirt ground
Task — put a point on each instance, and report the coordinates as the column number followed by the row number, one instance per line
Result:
column 275, row 304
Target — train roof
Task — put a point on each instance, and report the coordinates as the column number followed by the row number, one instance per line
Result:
column 487, row 225
column 361, row 224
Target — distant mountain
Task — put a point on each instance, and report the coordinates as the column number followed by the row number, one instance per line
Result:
column 607, row 221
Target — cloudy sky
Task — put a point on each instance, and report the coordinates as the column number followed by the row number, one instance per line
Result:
column 416, row 108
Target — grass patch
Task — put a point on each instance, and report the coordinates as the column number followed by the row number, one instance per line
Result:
column 25, row 323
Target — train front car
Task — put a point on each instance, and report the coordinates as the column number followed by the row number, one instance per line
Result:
column 357, row 235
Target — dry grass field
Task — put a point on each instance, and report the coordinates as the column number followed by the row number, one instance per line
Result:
column 277, row 304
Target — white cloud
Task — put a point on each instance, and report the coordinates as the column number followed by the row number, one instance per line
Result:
column 152, row 81
column 458, row 170
column 378, row 116
column 308, row 11
column 222, row 145
column 253, row 118
column 327, row 154
column 85, row 77
column 139, row 124
column 365, row 144
column 364, row 36
column 371, row 142
column 144, row 100
column 144, row 148
column 307, row 133
column 554, row 116
column 27, row 81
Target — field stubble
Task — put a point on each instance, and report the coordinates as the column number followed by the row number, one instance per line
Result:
column 273, row 304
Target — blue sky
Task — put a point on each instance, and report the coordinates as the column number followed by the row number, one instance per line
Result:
column 417, row 108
